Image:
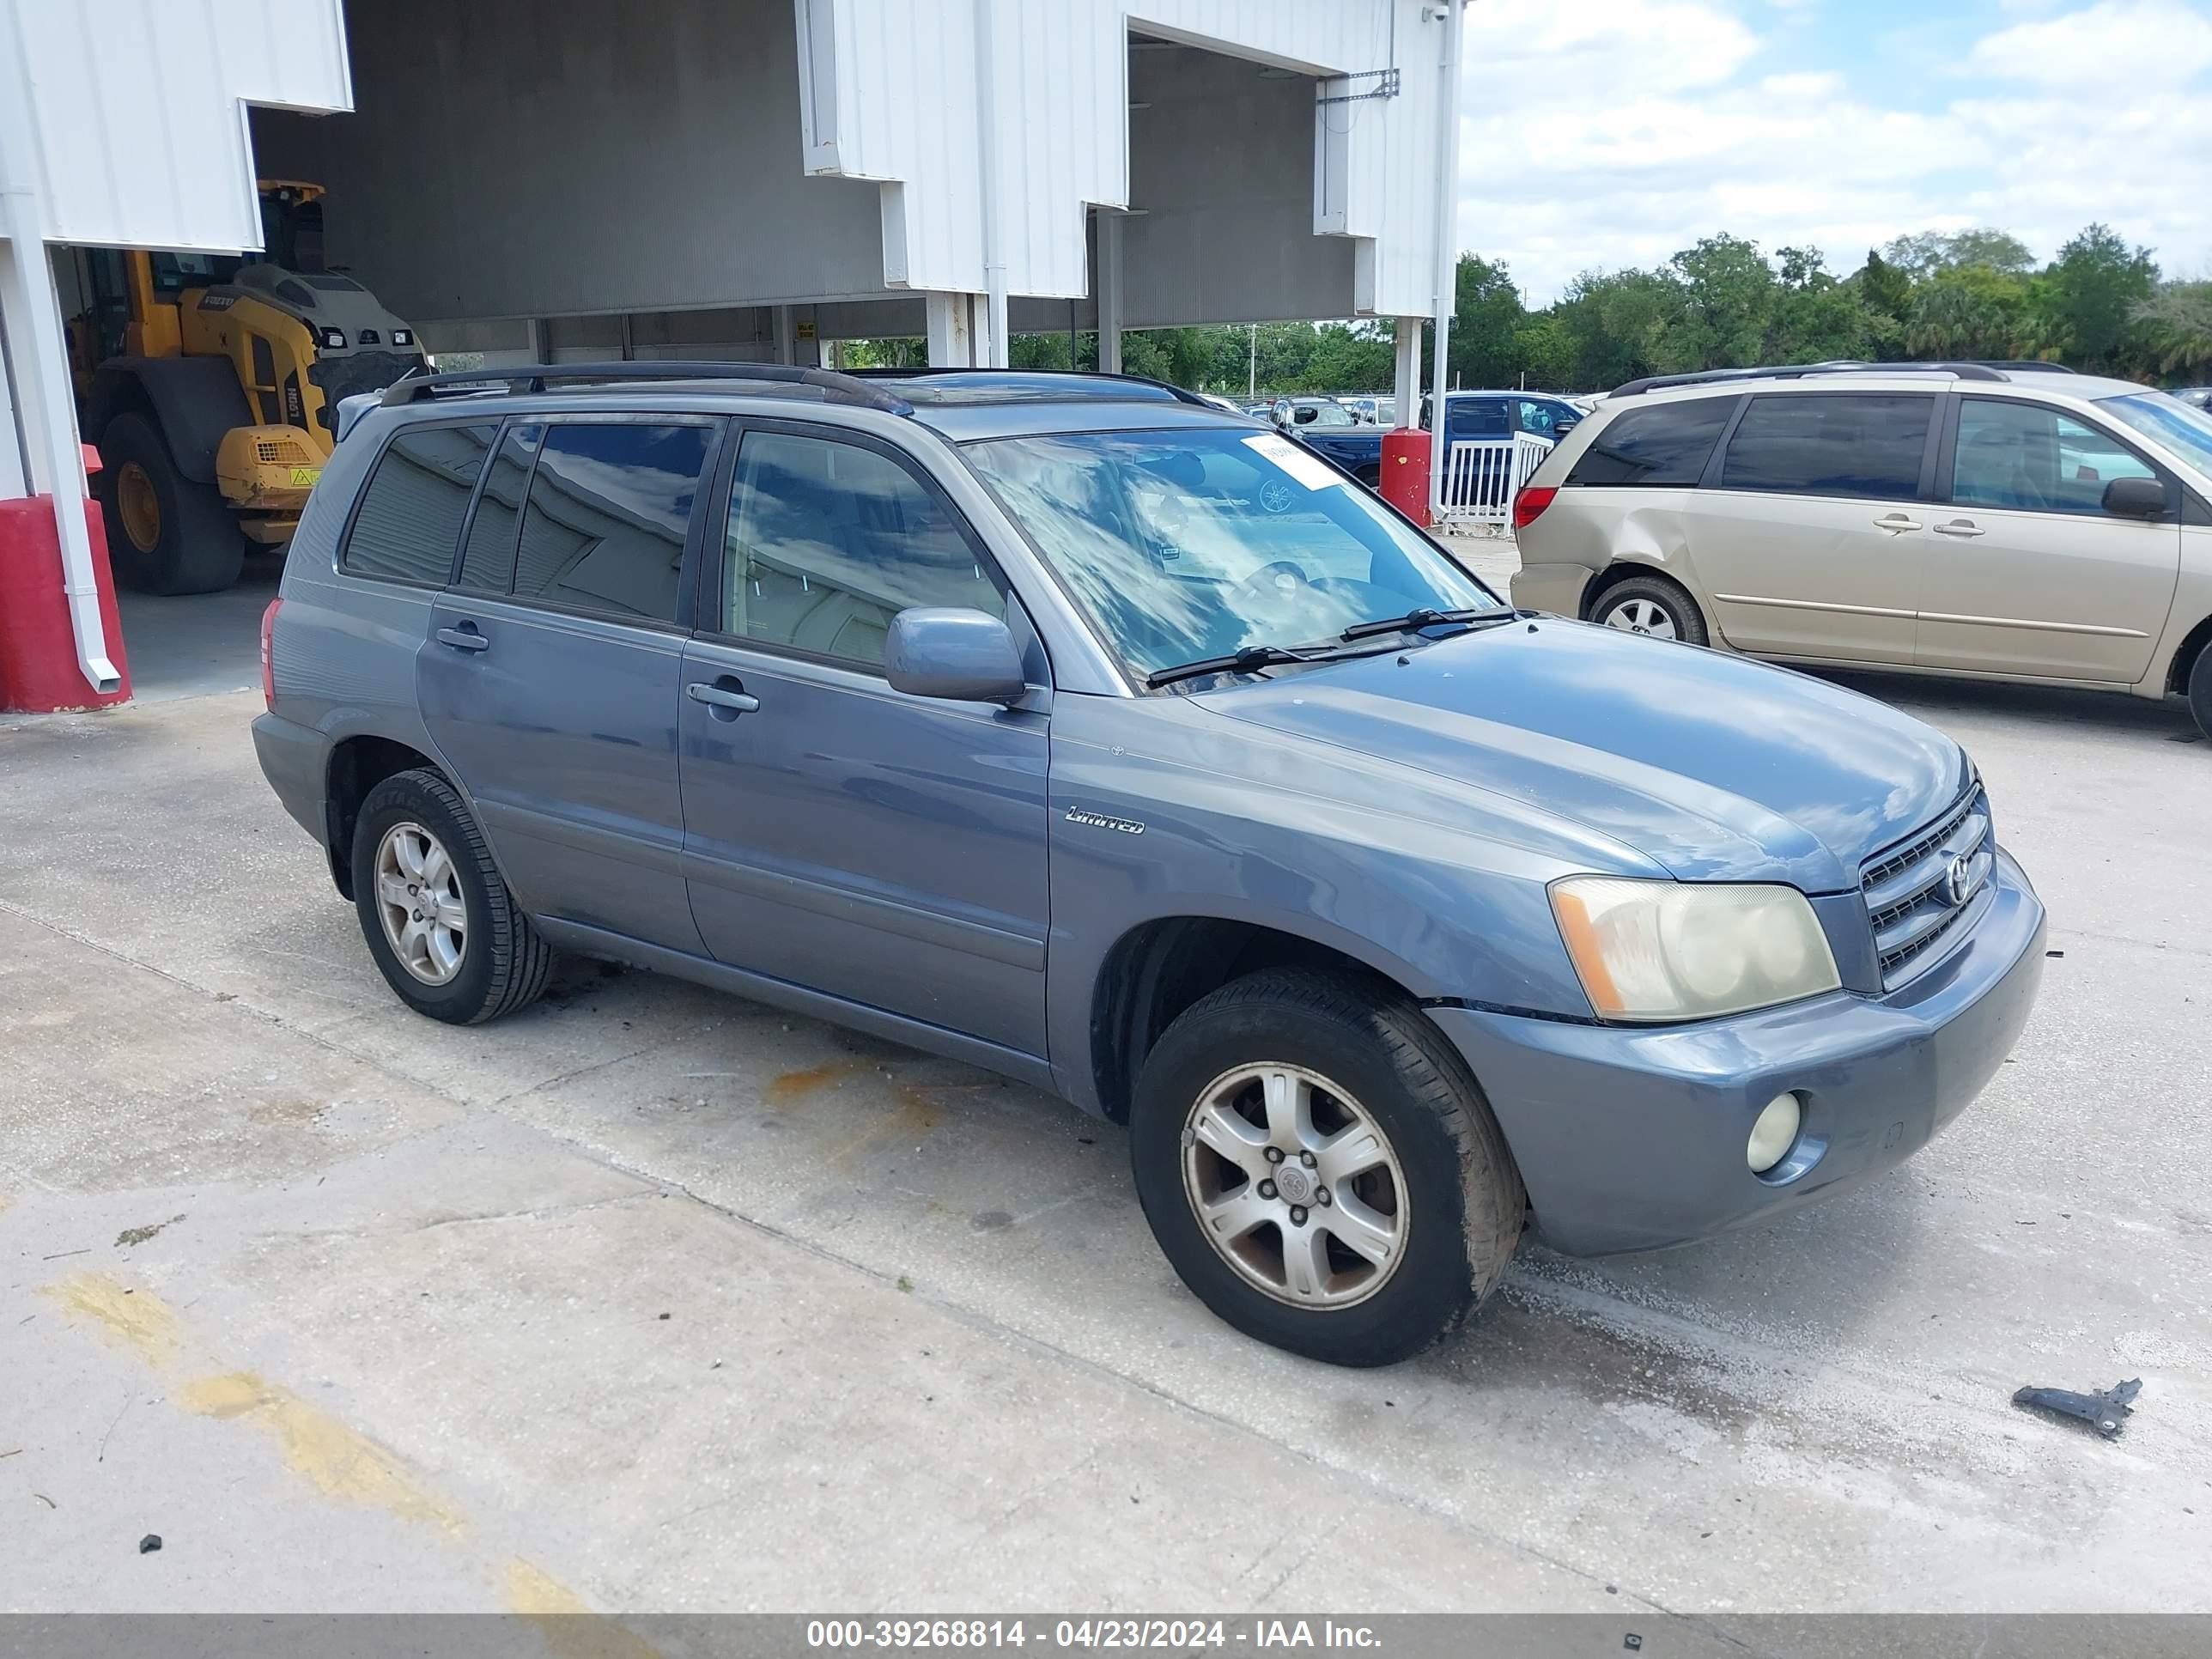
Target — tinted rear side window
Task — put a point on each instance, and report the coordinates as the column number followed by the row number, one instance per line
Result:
column 487, row 558
column 609, row 508
column 1831, row 444
column 1660, row 445
column 410, row 515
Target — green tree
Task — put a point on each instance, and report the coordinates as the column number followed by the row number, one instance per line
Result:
column 1815, row 317
column 2175, row 326
column 1973, row 311
column 1616, row 322
column 2091, row 293
column 1727, row 298
column 1486, row 313
column 1929, row 252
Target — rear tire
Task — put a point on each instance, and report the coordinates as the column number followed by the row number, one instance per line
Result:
column 1655, row 605
column 166, row 534
column 1437, row 1206
column 488, row 960
column 2200, row 690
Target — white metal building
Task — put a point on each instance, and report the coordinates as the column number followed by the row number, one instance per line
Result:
column 557, row 179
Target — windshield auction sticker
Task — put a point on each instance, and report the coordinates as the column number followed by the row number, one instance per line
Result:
column 1295, row 461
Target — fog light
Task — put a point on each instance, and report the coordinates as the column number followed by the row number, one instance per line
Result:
column 1774, row 1134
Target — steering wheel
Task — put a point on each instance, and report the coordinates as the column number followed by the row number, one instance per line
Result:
column 1283, row 578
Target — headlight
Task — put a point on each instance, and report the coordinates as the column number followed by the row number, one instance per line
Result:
column 1670, row 950
column 332, row 339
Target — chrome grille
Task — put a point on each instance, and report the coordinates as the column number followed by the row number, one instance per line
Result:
column 1911, row 900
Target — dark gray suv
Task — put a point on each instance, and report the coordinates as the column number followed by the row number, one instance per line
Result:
column 1070, row 727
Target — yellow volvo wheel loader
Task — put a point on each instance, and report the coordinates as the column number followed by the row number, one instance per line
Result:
column 210, row 385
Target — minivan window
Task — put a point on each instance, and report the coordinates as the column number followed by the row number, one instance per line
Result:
column 1659, row 444
column 487, row 555
column 2032, row 457
column 828, row 541
column 410, row 516
column 1855, row 443
column 609, row 508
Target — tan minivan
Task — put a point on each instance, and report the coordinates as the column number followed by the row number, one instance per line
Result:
column 2015, row 522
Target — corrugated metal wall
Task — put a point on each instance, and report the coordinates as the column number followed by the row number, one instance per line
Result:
column 1060, row 104
column 138, row 108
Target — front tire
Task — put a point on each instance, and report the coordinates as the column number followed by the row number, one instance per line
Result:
column 1653, row 606
column 166, row 534
column 444, row 931
column 2200, row 690
column 1320, row 1168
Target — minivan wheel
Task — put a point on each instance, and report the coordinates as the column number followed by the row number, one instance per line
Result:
column 1653, row 605
column 2200, row 690
column 1320, row 1169
column 444, row 931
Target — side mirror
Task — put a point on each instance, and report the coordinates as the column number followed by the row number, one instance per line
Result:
column 2136, row 498
column 960, row 655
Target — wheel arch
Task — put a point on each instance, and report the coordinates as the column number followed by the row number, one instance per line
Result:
column 191, row 401
column 1626, row 566
column 356, row 765
column 1158, row 968
column 2193, row 644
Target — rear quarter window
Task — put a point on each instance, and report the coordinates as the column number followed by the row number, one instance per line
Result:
column 410, row 517
column 1662, row 444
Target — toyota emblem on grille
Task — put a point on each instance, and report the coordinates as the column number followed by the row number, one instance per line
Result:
column 1959, row 882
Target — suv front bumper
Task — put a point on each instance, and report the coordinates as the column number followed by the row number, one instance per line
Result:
column 1632, row 1138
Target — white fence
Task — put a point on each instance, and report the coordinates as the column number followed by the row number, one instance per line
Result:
column 1483, row 475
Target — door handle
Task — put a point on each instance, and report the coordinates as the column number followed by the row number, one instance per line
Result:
column 1960, row 527
column 718, row 697
column 464, row 638
column 1896, row 523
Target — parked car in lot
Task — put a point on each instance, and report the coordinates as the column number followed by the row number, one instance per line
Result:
column 1474, row 415
column 1067, row 726
column 2012, row 523
column 1327, row 428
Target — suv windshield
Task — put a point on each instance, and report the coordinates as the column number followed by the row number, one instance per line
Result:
column 2183, row 429
column 1194, row 543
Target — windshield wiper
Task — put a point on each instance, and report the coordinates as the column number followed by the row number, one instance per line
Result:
column 1422, row 617
column 1250, row 660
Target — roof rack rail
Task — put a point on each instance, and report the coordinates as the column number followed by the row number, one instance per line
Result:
column 539, row 377
column 1959, row 370
column 1181, row 394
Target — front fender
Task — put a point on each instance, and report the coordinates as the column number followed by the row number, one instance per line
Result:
column 1158, row 809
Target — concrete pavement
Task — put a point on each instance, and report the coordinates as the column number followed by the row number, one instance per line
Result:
column 650, row 1299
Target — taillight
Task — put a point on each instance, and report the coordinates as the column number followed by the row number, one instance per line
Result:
column 268, row 661
column 1528, row 505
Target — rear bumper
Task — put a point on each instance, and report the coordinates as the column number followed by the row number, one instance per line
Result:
column 1557, row 588
column 1632, row 1140
column 296, row 759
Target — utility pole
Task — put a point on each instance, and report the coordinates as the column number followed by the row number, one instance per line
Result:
column 1252, row 369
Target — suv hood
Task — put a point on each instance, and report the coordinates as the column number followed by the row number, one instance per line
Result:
column 1715, row 767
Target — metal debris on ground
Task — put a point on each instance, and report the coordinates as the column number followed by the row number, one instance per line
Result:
column 150, row 1543
column 2107, row 1412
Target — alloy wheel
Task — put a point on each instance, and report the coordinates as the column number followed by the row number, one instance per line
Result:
column 1295, row 1185
column 418, row 896
column 1644, row 616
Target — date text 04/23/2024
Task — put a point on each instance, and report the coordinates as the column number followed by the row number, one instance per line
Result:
column 1175, row 1635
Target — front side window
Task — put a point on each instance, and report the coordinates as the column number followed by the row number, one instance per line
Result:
column 1657, row 445
column 1855, row 443
column 609, row 507
column 2035, row 460
column 1323, row 415
column 828, row 541
column 1192, row 543
column 410, row 515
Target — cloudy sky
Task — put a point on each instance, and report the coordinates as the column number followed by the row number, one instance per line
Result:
column 1604, row 133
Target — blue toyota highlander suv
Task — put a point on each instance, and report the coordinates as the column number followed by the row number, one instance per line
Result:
column 1066, row 725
